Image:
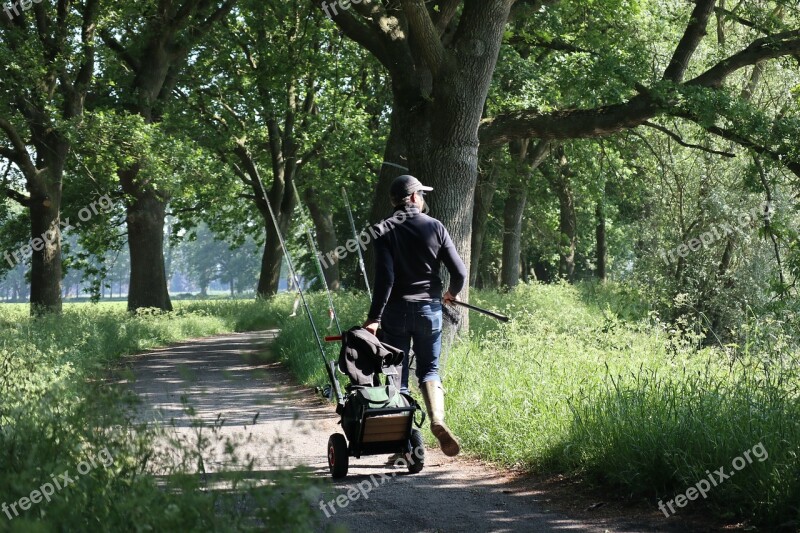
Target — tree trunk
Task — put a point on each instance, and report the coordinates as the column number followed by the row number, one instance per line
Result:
column 512, row 236
column 271, row 260
column 439, row 91
column 600, row 238
column 568, row 222
column 45, row 207
column 282, row 200
column 326, row 238
column 145, row 220
column 395, row 162
column 484, row 193
column 512, row 215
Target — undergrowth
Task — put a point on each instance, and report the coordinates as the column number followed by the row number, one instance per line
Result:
column 587, row 380
column 59, row 415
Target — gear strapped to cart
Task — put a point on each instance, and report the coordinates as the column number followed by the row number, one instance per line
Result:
column 376, row 417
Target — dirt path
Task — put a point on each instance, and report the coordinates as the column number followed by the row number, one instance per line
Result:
column 282, row 424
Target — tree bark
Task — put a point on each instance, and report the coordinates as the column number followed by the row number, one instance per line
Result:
column 600, row 240
column 45, row 191
column 282, row 200
column 512, row 236
column 568, row 222
column 484, row 194
column 145, row 221
column 46, row 271
column 327, row 240
column 512, row 215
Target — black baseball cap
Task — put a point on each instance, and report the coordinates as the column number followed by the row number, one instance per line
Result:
column 406, row 185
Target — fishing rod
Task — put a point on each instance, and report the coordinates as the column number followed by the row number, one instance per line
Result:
column 315, row 252
column 329, row 365
column 355, row 236
column 498, row 316
column 395, row 165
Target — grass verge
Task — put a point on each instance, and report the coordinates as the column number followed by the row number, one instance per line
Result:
column 584, row 380
column 72, row 457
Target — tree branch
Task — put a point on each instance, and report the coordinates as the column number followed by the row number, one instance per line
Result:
column 84, row 75
column 23, row 159
column 771, row 47
column 680, row 141
column 18, row 197
column 744, row 22
column 367, row 36
column 740, row 139
column 446, row 13
column 610, row 119
column 315, row 150
column 425, row 38
column 120, row 50
column 695, row 31
column 203, row 27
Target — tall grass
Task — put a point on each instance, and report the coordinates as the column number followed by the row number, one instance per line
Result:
column 585, row 379
column 57, row 410
column 570, row 387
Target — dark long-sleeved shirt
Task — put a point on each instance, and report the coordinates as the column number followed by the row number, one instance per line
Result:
column 409, row 249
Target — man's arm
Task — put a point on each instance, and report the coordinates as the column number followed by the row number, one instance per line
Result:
column 384, row 281
column 454, row 265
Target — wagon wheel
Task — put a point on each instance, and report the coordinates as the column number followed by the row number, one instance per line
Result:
column 338, row 455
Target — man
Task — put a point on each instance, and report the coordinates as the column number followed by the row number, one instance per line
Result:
column 407, row 300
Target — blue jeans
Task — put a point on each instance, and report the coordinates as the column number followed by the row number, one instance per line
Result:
column 421, row 322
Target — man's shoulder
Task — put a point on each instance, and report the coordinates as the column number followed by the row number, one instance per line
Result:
column 432, row 222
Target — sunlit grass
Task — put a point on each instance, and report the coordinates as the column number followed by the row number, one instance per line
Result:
column 56, row 408
column 585, row 380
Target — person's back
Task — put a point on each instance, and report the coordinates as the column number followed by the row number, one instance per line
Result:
column 414, row 245
column 407, row 298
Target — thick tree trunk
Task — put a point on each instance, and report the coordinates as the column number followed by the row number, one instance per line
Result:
column 395, row 162
column 282, row 200
column 439, row 91
column 148, row 279
column 45, row 208
column 326, row 238
column 271, row 260
column 484, row 194
column 600, row 238
column 445, row 149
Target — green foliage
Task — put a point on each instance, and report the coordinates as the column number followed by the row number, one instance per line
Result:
column 296, row 347
column 587, row 379
column 58, row 410
column 569, row 385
